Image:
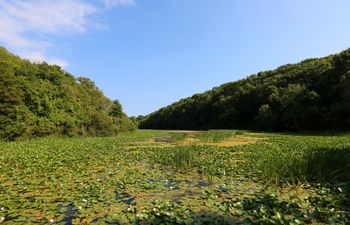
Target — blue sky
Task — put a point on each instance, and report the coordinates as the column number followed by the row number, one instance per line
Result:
column 150, row 53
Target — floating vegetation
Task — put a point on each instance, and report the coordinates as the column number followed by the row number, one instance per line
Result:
column 283, row 179
column 125, row 198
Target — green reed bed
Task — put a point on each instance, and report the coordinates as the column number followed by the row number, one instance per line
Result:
column 178, row 136
column 198, row 158
column 295, row 159
column 215, row 136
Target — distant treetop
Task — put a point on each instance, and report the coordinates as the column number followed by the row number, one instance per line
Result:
column 311, row 95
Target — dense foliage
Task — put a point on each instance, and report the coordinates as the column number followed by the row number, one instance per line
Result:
column 311, row 95
column 40, row 100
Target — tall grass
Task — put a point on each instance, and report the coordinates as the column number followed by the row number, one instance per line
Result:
column 178, row 137
column 180, row 158
column 329, row 163
column 214, row 136
column 183, row 158
column 203, row 159
column 300, row 159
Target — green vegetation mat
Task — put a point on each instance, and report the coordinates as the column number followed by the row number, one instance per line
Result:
column 163, row 177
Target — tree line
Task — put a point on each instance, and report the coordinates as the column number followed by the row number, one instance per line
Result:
column 311, row 95
column 37, row 99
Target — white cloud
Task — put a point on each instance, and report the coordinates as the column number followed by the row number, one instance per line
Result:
column 49, row 16
column 25, row 25
column 39, row 57
column 114, row 3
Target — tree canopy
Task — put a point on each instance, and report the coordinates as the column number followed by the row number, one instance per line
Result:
column 311, row 95
column 37, row 99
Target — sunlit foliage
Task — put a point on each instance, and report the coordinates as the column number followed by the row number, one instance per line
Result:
column 40, row 99
column 311, row 95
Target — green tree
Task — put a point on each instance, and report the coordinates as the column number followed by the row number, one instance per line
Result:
column 310, row 95
column 40, row 100
column 116, row 109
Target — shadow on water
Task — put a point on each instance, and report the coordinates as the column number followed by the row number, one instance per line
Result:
column 223, row 189
column 175, row 184
column 203, row 184
column 125, row 198
column 172, row 185
column 69, row 212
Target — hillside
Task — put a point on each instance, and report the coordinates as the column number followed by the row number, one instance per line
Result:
column 311, row 95
column 40, row 99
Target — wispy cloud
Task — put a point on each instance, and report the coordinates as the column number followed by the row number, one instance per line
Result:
column 114, row 3
column 28, row 27
column 39, row 57
column 24, row 25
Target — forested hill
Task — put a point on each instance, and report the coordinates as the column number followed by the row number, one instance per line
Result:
column 40, row 99
column 311, row 95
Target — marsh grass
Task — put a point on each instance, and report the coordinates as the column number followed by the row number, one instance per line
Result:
column 214, row 136
column 82, row 180
column 239, row 132
column 181, row 158
column 302, row 159
column 178, row 137
column 328, row 164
